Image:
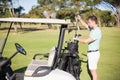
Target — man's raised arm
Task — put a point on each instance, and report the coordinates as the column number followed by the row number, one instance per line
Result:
column 82, row 21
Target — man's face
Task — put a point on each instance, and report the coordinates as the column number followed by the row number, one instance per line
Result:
column 90, row 23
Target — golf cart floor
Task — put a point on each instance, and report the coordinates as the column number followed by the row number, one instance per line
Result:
column 19, row 76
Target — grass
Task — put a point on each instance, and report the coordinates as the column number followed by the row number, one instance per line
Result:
column 43, row 40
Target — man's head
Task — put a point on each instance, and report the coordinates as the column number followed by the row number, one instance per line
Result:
column 92, row 21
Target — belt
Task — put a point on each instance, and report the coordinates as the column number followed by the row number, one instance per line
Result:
column 92, row 51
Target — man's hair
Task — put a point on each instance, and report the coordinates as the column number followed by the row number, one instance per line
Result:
column 93, row 18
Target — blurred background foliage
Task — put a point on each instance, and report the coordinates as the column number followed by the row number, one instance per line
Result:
column 65, row 9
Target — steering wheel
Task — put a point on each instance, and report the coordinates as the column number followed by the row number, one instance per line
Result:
column 20, row 49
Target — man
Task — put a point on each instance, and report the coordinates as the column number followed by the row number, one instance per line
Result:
column 93, row 42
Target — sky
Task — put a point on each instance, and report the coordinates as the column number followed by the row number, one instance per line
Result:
column 26, row 4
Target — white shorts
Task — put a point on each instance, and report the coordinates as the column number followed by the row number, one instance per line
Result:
column 93, row 58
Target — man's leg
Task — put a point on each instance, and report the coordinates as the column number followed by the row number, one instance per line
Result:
column 92, row 63
column 94, row 74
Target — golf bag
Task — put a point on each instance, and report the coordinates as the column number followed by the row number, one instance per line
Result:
column 70, row 61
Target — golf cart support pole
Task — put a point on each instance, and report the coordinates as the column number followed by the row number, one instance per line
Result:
column 60, row 43
column 6, row 38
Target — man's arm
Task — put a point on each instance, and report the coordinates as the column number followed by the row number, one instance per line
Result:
column 85, row 41
column 82, row 22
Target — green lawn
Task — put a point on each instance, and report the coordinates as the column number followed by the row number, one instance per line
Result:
column 43, row 40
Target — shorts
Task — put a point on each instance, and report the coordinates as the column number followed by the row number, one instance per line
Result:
column 93, row 58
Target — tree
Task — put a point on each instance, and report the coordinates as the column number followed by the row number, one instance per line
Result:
column 67, row 8
column 66, row 13
column 115, row 7
column 106, row 18
column 17, row 11
column 5, row 8
column 36, row 12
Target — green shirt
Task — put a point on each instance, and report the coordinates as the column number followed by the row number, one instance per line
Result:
column 95, row 34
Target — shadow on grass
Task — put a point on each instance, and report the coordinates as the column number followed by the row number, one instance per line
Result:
column 21, row 70
column 23, row 29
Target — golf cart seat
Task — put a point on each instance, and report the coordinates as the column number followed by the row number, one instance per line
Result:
column 40, row 67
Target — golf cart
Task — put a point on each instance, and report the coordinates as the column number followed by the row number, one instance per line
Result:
column 62, row 63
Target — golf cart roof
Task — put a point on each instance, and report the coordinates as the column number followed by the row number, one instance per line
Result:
column 35, row 20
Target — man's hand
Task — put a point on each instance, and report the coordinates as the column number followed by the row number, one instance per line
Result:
column 75, row 39
column 78, row 17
